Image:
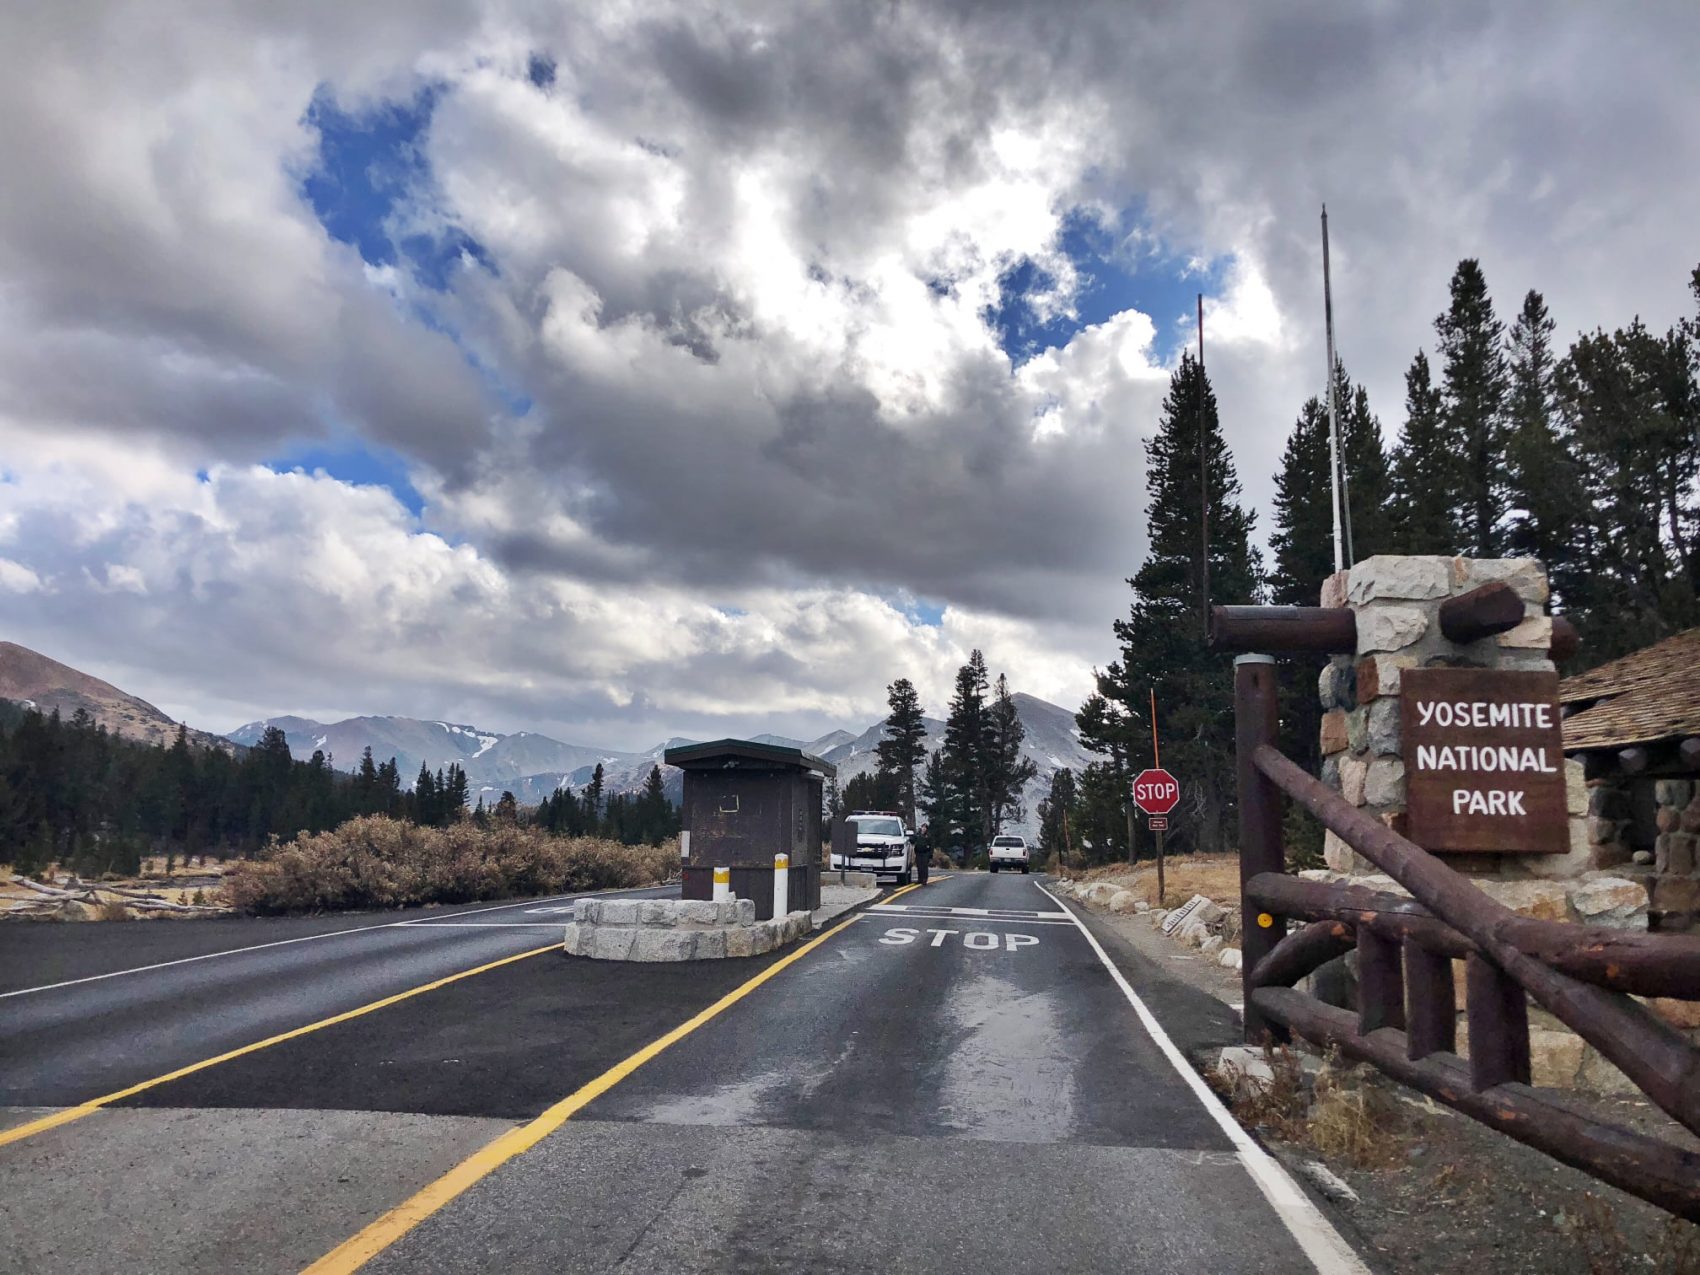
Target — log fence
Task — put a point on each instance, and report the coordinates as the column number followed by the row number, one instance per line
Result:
column 1405, row 1020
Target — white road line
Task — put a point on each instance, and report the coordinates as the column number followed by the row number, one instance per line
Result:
column 1328, row 1252
column 482, row 925
column 939, row 909
column 422, row 923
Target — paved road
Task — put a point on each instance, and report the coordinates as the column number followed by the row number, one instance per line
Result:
column 953, row 1081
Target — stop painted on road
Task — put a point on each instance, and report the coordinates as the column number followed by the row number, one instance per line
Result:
column 973, row 940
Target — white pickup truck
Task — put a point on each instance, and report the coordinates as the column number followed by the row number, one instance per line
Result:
column 883, row 845
column 1008, row 852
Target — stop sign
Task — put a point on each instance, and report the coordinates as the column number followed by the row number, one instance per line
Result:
column 1156, row 792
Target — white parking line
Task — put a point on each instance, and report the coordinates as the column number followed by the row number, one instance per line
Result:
column 1328, row 1252
column 422, row 923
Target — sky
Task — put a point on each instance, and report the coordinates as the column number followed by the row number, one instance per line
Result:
column 646, row 369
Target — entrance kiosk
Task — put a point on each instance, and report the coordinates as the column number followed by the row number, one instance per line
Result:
column 744, row 803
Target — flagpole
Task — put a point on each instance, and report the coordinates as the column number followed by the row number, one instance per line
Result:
column 1333, row 411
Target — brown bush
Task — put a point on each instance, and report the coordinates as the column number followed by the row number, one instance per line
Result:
column 378, row 862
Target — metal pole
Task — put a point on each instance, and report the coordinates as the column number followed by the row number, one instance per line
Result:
column 1132, row 830
column 1160, row 835
column 1203, row 480
column 1333, row 416
column 1256, row 722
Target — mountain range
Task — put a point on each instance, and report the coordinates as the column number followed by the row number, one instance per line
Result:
column 32, row 678
column 533, row 766
column 529, row 765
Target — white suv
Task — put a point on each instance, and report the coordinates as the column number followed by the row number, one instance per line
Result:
column 883, row 845
column 1008, row 852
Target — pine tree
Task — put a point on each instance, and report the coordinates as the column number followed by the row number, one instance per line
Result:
column 967, row 808
column 1473, row 381
column 506, row 811
column 1057, row 817
column 593, row 801
column 1547, row 498
column 933, row 799
column 1007, row 771
column 1162, row 640
column 1425, row 472
column 903, row 746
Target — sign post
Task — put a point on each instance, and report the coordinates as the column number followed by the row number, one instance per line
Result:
column 1157, row 792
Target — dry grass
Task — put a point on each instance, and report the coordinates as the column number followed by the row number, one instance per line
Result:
column 376, row 862
column 1215, row 876
column 1675, row 1246
column 1339, row 1115
column 112, row 910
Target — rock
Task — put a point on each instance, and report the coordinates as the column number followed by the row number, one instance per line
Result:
column 1342, row 858
column 1683, row 1015
column 1601, row 1076
column 612, row 943
column 1357, row 729
column 1379, row 675
column 1229, row 958
column 1385, row 783
column 744, row 912
column 1334, row 735
column 1406, row 577
column 1642, row 857
column 1244, row 1062
column 1525, row 575
column 1329, row 1182
column 1606, row 799
column 1123, row 901
column 1679, row 853
column 1676, row 894
column 1211, row 945
column 1353, row 771
column 619, row 912
column 1193, row 933
column 1334, row 589
column 1140, row 905
column 658, row 912
column 1543, row 900
column 665, row 945
column 571, row 939
column 1602, row 832
column 1613, row 901
column 711, row 944
column 587, row 911
column 1668, row 819
column 698, row 912
column 1673, row 792
column 744, row 940
column 1691, row 817
column 1336, row 686
column 1533, row 634
column 1390, row 628
column 1156, row 915
column 1555, row 1057
column 1384, row 727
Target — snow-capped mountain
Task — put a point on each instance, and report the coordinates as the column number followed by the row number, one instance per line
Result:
column 534, row 766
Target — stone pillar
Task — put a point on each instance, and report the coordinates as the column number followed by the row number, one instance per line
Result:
column 1396, row 601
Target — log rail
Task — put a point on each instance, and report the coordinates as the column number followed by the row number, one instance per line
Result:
column 1405, row 1019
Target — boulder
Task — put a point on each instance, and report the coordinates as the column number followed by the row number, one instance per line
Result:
column 1384, row 784
column 1612, row 901
column 1555, row 1057
column 613, row 942
column 571, row 940
column 619, row 912
column 587, row 911
column 1387, row 628
column 1524, row 575
column 658, row 912
column 1210, row 945
column 665, row 945
column 1140, row 905
column 1124, row 901
column 1229, row 958
column 1400, row 576
column 1543, row 900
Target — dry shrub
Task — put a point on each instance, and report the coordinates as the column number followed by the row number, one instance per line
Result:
column 1340, row 1116
column 378, row 862
column 113, row 910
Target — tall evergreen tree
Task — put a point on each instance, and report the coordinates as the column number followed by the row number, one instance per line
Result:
column 1007, row 771
column 1425, row 472
column 1163, row 640
column 1057, row 817
column 903, row 747
column 593, row 799
column 968, row 808
column 1473, row 381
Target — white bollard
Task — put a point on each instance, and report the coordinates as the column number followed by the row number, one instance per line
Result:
column 722, row 884
column 781, row 884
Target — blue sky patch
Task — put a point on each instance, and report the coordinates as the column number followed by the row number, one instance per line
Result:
column 1118, row 270
column 372, row 163
column 355, row 462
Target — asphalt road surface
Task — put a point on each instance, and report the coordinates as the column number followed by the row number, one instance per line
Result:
column 955, row 1079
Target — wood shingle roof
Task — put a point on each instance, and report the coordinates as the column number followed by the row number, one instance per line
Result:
column 1645, row 696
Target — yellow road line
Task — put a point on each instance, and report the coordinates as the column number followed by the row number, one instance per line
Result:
column 88, row 1108
column 357, row 1250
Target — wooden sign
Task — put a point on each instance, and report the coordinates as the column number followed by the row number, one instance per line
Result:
column 1484, row 760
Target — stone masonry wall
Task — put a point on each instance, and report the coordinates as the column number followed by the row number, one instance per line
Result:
column 1397, row 603
column 1676, row 885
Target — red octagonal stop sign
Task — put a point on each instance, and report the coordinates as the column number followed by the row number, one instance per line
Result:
column 1156, row 792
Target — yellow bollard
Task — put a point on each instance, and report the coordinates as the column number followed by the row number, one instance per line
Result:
column 722, row 884
column 781, row 884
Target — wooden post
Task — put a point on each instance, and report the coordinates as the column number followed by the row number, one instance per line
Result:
column 1431, row 1004
column 1381, row 982
column 1482, row 612
column 1256, row 723
column 1498, row 1015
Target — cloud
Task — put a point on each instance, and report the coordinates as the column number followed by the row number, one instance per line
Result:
column 696, row 361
